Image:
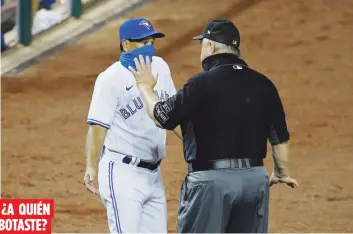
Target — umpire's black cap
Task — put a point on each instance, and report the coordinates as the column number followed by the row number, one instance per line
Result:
column 222, row 31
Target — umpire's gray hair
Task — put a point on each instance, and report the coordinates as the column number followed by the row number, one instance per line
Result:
column 222, row 48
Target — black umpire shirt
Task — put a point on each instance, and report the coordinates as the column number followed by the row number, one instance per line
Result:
column 227, row 111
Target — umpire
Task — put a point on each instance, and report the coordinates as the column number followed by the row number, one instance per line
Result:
column 226, row 113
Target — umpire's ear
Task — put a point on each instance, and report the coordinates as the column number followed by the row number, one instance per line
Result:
column 213, row 47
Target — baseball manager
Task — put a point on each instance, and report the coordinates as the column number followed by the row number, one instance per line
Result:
column 226, row 113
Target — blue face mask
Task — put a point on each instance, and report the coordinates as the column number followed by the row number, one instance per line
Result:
column 127, row 58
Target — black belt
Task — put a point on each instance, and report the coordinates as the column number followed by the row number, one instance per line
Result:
column 225, row 163
column 142, row 164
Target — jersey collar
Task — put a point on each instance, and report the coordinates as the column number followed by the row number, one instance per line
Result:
column 217, row 60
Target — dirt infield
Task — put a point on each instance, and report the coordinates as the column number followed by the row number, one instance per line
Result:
column 305, row 47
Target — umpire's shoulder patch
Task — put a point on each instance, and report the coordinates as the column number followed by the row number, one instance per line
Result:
column 161, row 111
column 166, row 107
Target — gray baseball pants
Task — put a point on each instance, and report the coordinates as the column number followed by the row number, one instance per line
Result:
column 225, row 200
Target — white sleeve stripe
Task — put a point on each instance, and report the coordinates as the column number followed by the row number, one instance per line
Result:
column 93, row 121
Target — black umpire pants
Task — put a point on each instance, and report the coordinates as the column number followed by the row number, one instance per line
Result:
column 232, row 200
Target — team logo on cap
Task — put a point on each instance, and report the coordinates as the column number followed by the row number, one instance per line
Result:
column 145, row 23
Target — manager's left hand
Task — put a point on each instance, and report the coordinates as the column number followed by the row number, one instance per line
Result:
column 143, row 75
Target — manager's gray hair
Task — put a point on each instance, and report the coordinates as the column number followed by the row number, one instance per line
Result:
column 222, row 48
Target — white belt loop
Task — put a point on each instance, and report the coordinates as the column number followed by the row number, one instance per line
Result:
column 247, row 161
column 240, row 163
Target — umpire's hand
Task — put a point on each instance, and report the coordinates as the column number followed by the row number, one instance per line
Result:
column 275, row 179
column 143, row 75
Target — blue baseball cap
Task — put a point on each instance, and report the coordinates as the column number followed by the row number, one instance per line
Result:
column 138, row 28
column 46, row 3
